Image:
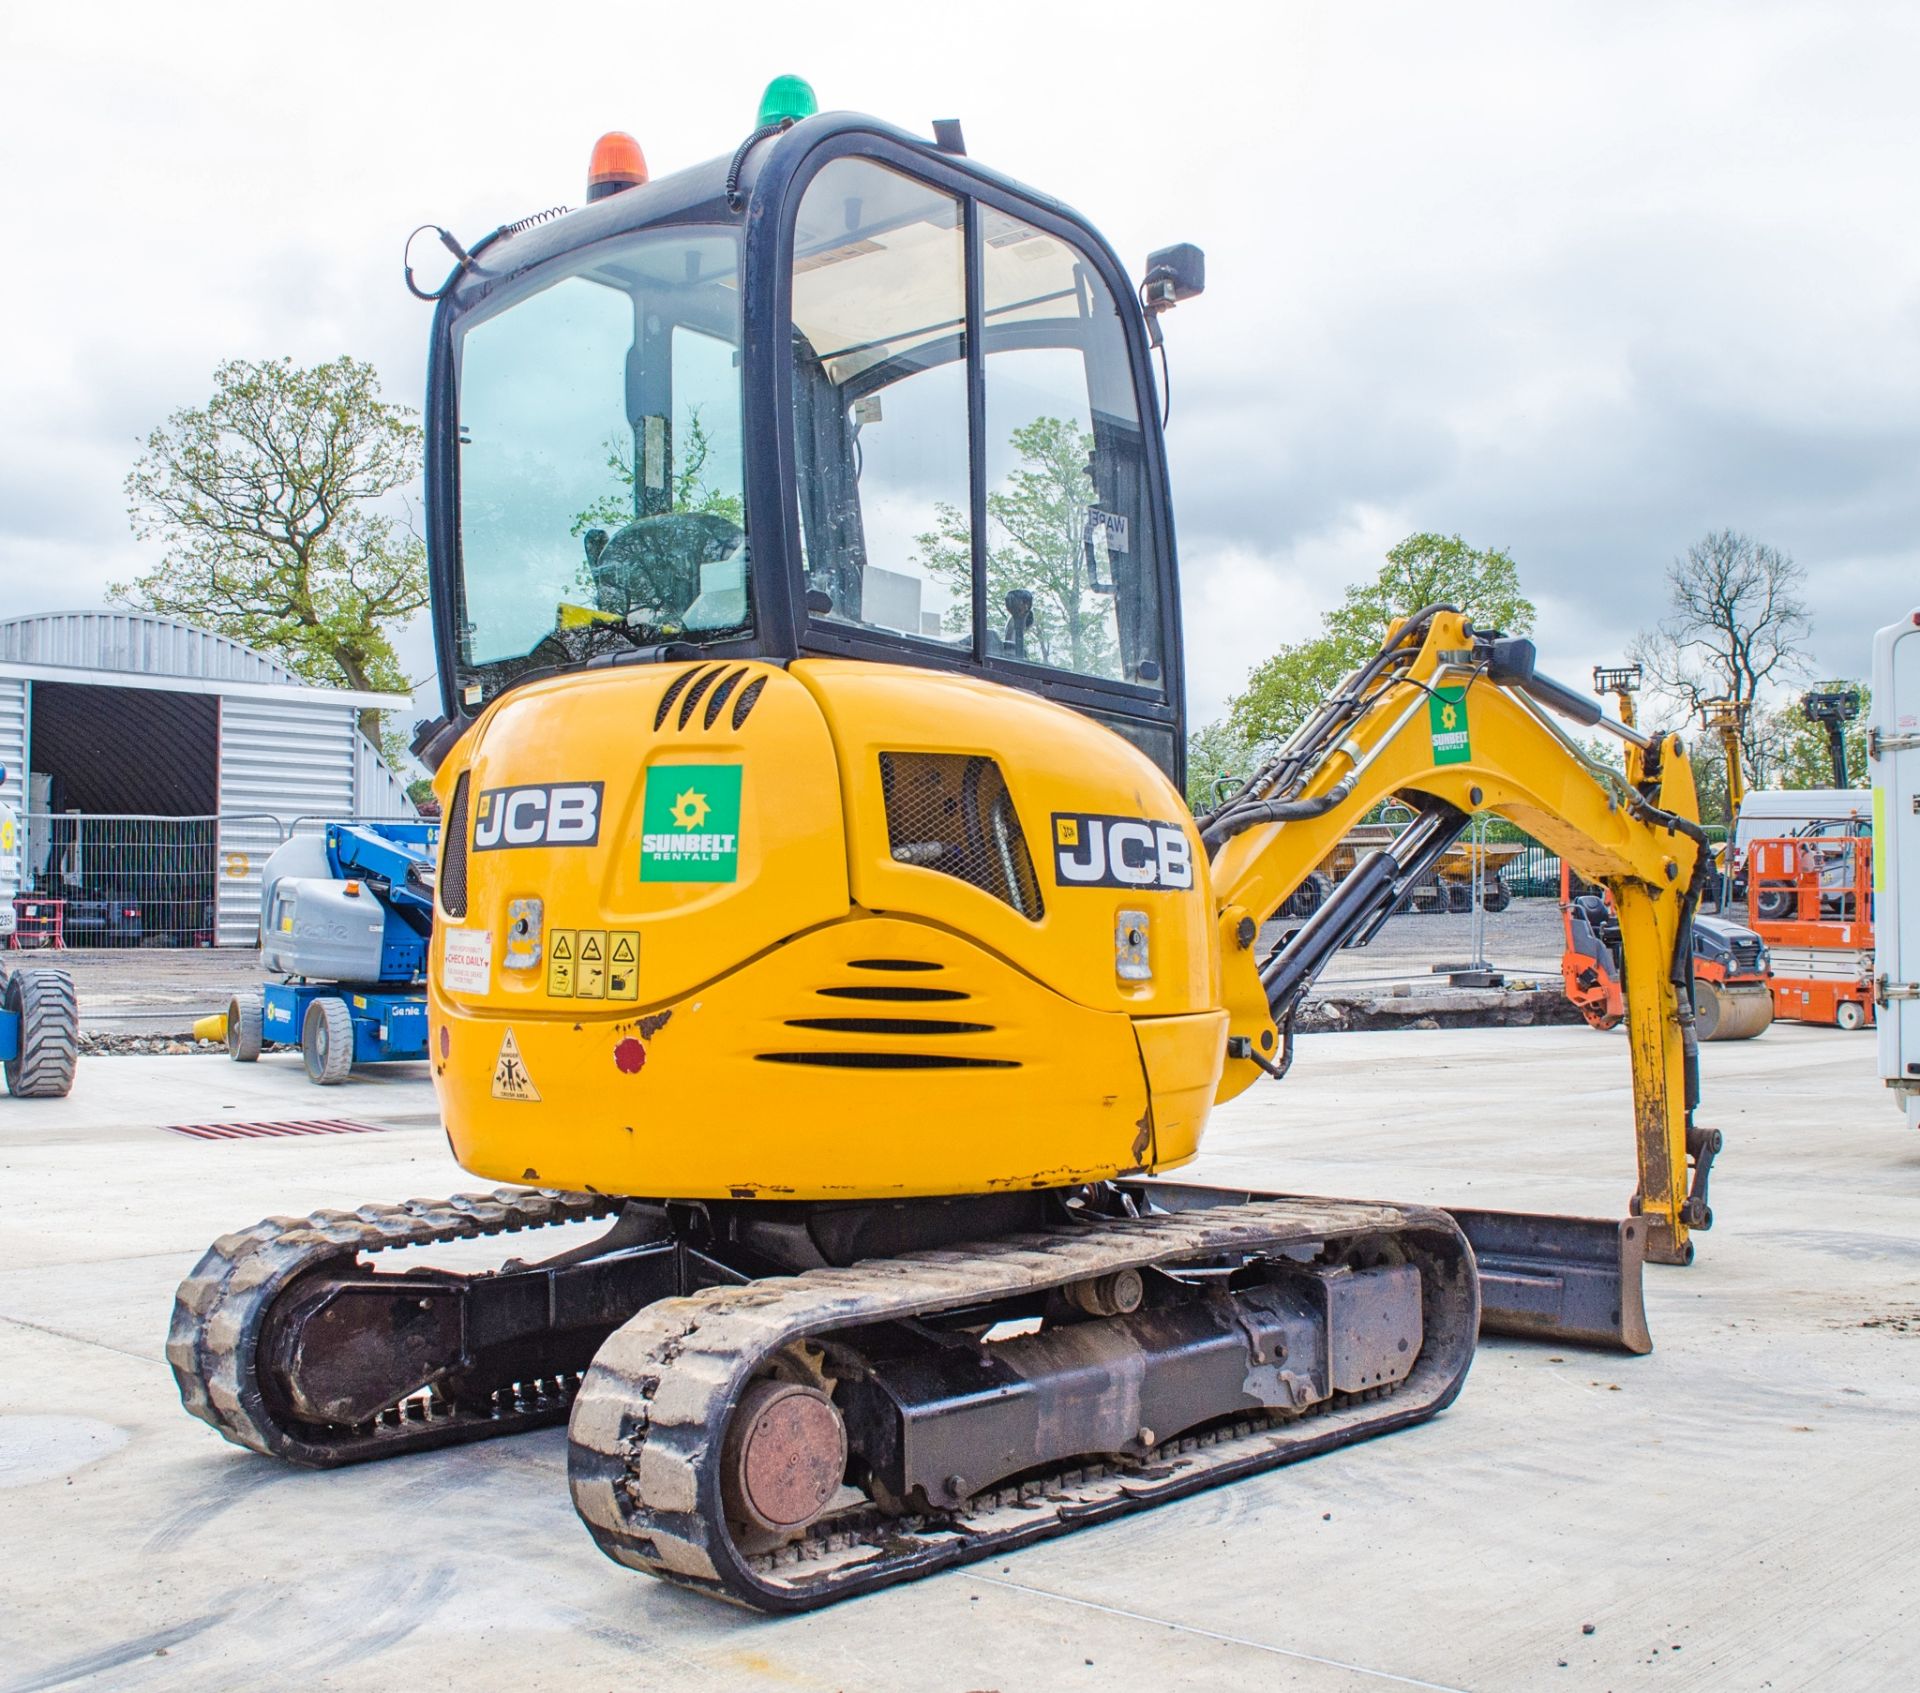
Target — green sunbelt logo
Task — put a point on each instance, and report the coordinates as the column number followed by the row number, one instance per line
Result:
column 1447, row 719
column 690, row 823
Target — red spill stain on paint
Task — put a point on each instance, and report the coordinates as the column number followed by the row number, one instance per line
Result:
column 446, row 1041
column 629, row 1055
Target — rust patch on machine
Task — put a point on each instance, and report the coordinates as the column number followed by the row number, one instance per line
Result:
column 1144, row 1138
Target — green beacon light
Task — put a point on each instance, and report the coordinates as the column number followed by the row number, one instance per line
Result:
column 788, row 99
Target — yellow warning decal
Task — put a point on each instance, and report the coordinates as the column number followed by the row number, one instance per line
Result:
column 623, row 964
column 564, row 943
column 590, row 972
column 510, row 1078
column 593, row 964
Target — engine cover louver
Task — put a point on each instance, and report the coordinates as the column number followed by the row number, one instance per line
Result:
column 714, row 683
column 904, row 1040
column 951, row 812
column 453, row 853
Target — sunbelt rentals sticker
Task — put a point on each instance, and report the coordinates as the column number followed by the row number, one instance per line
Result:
column 1447, row 720
column 690, row 823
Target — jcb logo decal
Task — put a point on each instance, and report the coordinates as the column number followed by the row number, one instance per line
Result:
column 546, row 814
column 1095, row 851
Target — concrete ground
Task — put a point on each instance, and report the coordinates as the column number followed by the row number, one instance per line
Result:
column 148, row 991
column 1734, row 1512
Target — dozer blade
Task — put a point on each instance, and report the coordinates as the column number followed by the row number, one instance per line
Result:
column 1575, row 1280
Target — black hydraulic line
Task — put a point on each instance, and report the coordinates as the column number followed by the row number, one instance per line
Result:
column 1335, row 714
column 1702, row 1144
column 1378, row 879
column 1251, row 814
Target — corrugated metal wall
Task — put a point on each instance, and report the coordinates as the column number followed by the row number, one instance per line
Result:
column 278, row 760
column 377, row 791
column 137, row 642
column 13, row 741
column 13, row 759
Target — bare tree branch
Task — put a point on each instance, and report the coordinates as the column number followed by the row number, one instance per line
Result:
column 1736, row 624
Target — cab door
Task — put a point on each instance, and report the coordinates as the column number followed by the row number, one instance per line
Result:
column 977, row 469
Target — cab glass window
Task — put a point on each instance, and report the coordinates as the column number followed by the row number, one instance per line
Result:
column 601, row 498
column 1070, row 559
column 880, row 404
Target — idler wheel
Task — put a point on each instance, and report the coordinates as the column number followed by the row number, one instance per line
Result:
column 784, row 1457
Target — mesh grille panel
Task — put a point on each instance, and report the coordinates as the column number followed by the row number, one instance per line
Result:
column 951, row 812
column 453, row 853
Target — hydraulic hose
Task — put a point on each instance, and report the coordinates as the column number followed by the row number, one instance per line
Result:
column 1250, row 814
column 1333, row 715
column 1680, row 968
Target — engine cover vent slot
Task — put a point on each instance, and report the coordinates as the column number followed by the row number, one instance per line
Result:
column 749, row 696
column 453, row 852
column 672, row 694
column 889, row 1026
column 890, row 991
column 706, row 681
column 718, row 697
column 888, row 1060
column 893, row 964
column 952, row 813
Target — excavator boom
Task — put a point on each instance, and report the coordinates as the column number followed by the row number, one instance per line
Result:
column 1455, row 721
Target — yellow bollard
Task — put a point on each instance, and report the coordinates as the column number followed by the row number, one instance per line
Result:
column 212, row 1028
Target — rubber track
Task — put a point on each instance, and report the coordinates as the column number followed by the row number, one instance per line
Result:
column 49, row 1034
column 220, row 1312
column 645, row 1435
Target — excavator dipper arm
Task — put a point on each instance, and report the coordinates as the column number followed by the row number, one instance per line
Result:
column 1453, row 721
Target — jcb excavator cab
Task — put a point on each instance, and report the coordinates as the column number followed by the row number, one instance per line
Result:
column 846, row 394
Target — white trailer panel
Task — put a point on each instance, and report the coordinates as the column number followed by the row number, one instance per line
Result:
column 1894, row 747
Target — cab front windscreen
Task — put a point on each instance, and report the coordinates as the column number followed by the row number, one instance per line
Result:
column 601, row 497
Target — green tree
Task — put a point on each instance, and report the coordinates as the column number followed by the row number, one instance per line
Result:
column 691, row 490
column 1216, row 757
column 1423, row 570
column 1037, row 525
column 267, row 503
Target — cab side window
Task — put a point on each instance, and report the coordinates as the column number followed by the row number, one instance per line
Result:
column 880, row 404
column 934, row 476
column 1069, row 559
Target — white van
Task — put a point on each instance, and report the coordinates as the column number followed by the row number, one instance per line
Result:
column 1788, row 811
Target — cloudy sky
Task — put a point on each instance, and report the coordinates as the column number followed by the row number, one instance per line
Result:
column 1581, row 281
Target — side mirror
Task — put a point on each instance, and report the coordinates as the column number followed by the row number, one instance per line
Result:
column 1173, row 274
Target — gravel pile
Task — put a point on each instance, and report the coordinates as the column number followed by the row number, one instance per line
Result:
column 95, row 1044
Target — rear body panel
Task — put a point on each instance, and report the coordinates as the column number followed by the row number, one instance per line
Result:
column 924, row 916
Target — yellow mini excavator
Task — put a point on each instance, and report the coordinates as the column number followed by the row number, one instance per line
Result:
column 817, row 909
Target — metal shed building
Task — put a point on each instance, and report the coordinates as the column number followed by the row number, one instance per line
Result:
column 137, row 717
